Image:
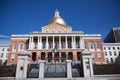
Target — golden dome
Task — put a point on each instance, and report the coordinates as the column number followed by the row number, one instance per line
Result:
column 57, row 19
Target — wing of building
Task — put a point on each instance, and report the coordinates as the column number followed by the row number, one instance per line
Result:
column 113, row 36
column 4, row 50
column 56, row 36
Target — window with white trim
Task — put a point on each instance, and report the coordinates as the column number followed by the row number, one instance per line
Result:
column 12, row 57
column 1, row 55
column 99, row 55
column 85, row 45
column 91, row 45
column 14, row 46
column 98, row 45
column 21, row 46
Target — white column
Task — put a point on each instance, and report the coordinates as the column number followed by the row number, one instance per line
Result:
column 59, row 42
column 46, row 42
column 32, row 43
column 38, row 42
column 66, row 42
column 72, row 43
column 29, row 42
column 81, row 43
column 53, row 43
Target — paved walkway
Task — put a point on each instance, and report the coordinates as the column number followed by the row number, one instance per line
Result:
column 96, row 77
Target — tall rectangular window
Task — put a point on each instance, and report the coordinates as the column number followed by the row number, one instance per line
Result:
column 91, row 45
column 85, row 45
column 99, row 55
column 14, row 46
column 12, row 57
column 21, row 46
column 1, row 55
column 98, row 45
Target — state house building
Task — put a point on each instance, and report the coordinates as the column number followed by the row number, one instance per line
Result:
column 56, row 36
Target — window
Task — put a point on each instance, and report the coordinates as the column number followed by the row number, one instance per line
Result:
column 99, row 55
column 105, row 53
column 111, row 60
column 110, row 53
column 98, row 45
column 12, row 57
column 91, row 45
column 118, row 48
column 14, row 46
column 108, row 48
column 104, row 48
column 8, row 49
column 1, row 55
column 113, row 48
column 107, row 60
column 21, row 46
column 115, row 53
column 3, row 49
column 85, row 45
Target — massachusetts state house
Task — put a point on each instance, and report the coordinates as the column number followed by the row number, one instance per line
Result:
column 56, row 42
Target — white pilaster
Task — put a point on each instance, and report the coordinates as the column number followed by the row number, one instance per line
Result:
column 59, row 42
column 74, row 42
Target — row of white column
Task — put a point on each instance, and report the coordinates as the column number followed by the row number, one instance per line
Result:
column 39, row 43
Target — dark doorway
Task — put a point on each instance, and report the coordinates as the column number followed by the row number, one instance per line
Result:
column 34, row 56
column 63, row 57
column 57, row 57
column 70, row 56
column 49, row 56
column 78, row 55
column 43, row 56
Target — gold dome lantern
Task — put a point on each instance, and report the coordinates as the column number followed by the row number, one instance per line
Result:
column 57, row 19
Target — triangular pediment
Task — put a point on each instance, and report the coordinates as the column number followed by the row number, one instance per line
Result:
column 56, row 27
